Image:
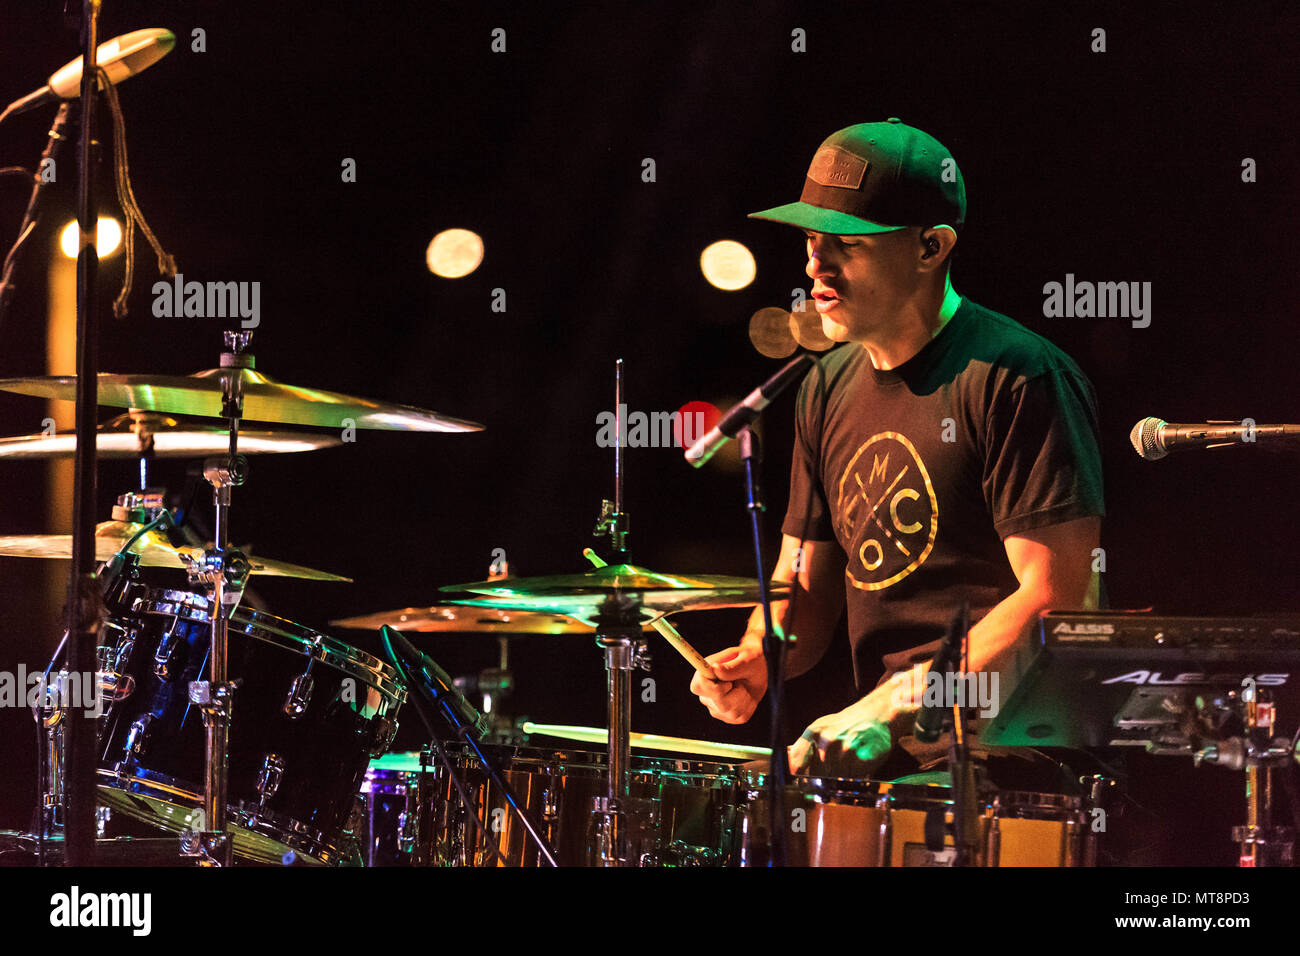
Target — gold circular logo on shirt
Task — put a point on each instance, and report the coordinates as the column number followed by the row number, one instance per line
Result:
column 887, row 512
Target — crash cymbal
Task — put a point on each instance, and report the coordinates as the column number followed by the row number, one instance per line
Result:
column 467, row 620
column 623, row 591
column 154, row 549
column 265, row 400
column 127, row 436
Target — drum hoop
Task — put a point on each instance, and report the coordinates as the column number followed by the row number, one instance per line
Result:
column 183, row 795
column 859, row 791
column 282, row 632
column 386, row 782
column 1042, row 806
column 558, row 760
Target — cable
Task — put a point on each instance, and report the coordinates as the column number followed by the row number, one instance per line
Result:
column 466, row 728
column 462, row 795
column 126, row 199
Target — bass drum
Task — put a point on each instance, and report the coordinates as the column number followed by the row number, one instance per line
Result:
column 417, row 819
column 308, row 715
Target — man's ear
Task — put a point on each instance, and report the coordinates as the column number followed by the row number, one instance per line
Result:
column 936, row 243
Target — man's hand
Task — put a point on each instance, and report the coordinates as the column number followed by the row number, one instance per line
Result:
column 816, row 570
column 856, row 740
column 741, row 684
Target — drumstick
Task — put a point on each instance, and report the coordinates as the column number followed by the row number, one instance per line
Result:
column 599, row 735
column 670, row 633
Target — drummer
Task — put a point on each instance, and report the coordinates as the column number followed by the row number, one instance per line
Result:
column 944, row 452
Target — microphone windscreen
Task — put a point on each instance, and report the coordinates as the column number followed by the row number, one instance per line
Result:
column 120, row 57
column 1145, row 439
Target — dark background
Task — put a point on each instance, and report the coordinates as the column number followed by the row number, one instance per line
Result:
column 1115, row 166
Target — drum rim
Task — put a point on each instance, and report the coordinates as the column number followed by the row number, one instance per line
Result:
column 561, row 757
column 826, row 789
column 279, row 631
column 292, row 833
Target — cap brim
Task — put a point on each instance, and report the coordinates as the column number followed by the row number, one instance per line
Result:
column 817, row 219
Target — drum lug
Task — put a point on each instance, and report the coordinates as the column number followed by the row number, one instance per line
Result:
column 269, row 777
column 886, row 831
column 163, row 664
column 137, row 738
column 407, row 831
column 123, row 654
column 295, row 705
column 113, row 684
column 385, row 731
column 356, row 817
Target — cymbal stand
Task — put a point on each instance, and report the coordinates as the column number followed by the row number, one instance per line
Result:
column 225, row 570
column 619, row 823
column 613, row 519
column 142, row 425
column 1262, row 842
column 622, row 827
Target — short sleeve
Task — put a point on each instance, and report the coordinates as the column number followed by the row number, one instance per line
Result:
column 1042, row 461
column 807, row 515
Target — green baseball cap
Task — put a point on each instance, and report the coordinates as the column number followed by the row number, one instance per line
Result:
column 877, row 177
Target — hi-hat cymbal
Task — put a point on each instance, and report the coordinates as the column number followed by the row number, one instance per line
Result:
column 265, row 400
column 467, row 620
column 128, row 436
column 618, row 591
column 154, row 549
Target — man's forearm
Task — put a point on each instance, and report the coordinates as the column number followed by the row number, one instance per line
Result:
column 994, row 639
column 810, row 627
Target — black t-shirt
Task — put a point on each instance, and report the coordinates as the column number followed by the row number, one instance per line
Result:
column 921, row 471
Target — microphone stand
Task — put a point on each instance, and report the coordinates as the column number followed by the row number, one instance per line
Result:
column 465, row 731
column 461, row 794
column 773, row 654
column 965, row 812
column 85, row 608
column 31, row 216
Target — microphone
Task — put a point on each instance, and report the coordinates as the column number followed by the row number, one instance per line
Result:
column 741, row 415
column 440, row 685
column 120, row 58
column 1154, row 438
column 930, row 718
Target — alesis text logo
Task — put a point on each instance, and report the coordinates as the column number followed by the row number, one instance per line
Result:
column 1065, row 631
column 1155, row 677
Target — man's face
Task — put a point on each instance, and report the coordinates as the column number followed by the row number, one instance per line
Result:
column 862, row 283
